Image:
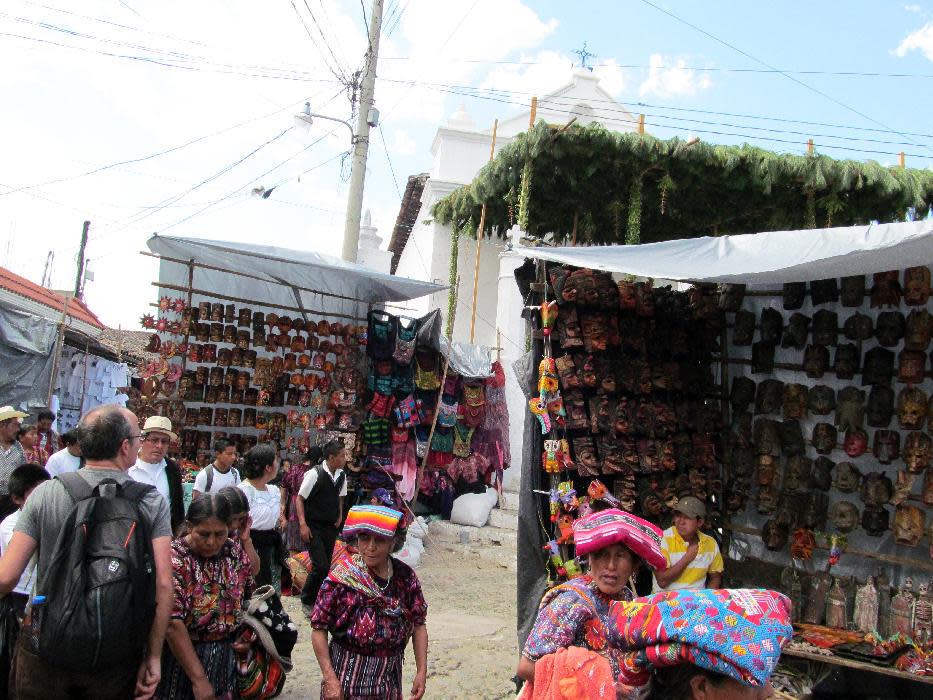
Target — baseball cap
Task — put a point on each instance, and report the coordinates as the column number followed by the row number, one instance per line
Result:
column 690, row 506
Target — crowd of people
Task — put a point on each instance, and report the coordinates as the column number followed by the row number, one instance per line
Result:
column 112, row 589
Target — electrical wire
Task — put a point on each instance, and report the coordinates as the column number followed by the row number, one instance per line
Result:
column 335, row 69
column 385, row 150
column 342, row 73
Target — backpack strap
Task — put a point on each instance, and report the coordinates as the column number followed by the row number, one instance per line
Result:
column 134, row 490
column 209, row 477
column 76, row 486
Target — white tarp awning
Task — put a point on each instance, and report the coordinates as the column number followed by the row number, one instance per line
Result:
column 773, row 257
column 282, row 266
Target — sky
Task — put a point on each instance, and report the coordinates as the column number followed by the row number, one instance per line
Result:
column 147, row 117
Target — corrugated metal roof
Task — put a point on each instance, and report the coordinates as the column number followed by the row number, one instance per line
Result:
column 55, row 301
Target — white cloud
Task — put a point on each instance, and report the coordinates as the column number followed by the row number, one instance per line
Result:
column 916, row 9
column 668, row 77
column 920, row 40
column 402, row 143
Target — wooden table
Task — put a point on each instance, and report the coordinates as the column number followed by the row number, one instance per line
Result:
column 857, row 665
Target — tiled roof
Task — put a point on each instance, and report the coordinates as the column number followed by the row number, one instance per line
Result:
column 407, row 215
column 21, row 286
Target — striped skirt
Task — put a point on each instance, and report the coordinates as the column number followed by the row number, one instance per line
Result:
column 219, row 664
column 367, row 677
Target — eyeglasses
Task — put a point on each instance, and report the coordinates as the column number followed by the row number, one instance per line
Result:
column 156, row 440
column 134, row 437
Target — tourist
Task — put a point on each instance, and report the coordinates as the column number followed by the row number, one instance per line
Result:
column 212, row 581
column 28, row 437
column 241, row 524
column 291, row 482
column 320, row 507
column 693, row 558
column 221, row 472
column 266, row 512
column 155, row 468
column 109, row 437
column 576, row 613
column 67, row 459
column 48, row 441
column 11, row 454
column 371, row 605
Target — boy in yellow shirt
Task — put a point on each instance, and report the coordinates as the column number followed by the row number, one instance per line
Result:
column 693, row 559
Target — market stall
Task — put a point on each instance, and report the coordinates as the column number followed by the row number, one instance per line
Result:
column 788, row 388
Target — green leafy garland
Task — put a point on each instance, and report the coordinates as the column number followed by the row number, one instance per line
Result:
column 666, row 189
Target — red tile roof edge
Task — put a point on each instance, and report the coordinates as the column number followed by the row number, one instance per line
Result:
column 21, row 286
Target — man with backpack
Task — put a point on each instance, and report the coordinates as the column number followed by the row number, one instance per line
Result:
column 221, row 473
column 320, row 512
column 103, row 593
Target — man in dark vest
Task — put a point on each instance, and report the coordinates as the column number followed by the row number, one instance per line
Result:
column 320, row 506
column 154, row 466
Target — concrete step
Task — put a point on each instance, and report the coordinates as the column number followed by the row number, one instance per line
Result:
column 510, row 500
column 446, row 532
column 506, row 519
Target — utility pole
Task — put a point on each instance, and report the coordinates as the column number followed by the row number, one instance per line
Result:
column 351, row 230
column 47, row 272
column 79, row 280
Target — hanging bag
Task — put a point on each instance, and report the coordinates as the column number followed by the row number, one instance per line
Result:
column 381, row 335
column 405, row 338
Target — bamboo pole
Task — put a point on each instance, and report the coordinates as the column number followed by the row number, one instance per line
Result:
column 58, row 350
column 534, row 112
column 479, row 240
column 641, row 124
column 902, row 160
column 809, row 147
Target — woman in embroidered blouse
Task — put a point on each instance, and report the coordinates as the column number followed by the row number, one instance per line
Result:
column 267, row 513
column 576, row 613
column 212, row 579
column 370, row 605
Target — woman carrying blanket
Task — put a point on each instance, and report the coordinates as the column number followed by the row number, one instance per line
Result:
column 370, row 604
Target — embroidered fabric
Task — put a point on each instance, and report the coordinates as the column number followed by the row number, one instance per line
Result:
column 447, row 412
column 442, row 440
column 381, row 330
column 463, row 438
column 381, row 405
column 376, row 431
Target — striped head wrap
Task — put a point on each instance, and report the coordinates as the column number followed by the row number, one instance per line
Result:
column 378, row 520
column 613, row 526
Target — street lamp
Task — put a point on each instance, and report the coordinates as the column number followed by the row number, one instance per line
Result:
column 306, row 118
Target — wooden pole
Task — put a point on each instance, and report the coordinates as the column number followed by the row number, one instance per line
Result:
column 576, row 217
column 809, row 147
column 641, row 124
column 479, row 240
column 534, row 112
column 901, row 160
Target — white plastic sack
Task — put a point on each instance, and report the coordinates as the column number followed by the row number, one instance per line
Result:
column 414, row 547
column 474, row 508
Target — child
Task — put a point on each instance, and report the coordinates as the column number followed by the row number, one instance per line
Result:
column 23, row 482
column 693, row 559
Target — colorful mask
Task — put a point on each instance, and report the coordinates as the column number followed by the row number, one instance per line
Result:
column 853, row 290
column 911, row 408
column 916, row 286
column 847, row 361
column 794, row 294
column 918, row 450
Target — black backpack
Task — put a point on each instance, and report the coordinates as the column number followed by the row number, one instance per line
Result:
column 209, row 477
column 99, row 586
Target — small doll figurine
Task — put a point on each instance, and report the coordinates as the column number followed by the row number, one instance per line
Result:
column 565, row 526
column 539, row 409
column 548, row 317
column 549, row 460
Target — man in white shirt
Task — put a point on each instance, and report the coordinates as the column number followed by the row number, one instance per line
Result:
column 221, row 473
column 23, row 482
column 153, row 467
column 67, row 459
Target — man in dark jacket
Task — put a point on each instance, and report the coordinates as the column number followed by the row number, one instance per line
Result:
column 155, row 468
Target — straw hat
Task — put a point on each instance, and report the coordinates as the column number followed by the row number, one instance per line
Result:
column 7, row 412
column 159, row 424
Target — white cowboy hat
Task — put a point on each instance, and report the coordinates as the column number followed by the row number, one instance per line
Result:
column 7, row 412
column 159, row 424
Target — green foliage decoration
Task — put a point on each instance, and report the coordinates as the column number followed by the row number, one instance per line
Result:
column 705, row 189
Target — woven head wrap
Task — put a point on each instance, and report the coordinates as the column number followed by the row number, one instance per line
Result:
column 378, row 520
column 614, row 526
column 736, row 632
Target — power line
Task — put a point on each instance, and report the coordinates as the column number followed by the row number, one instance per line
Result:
column 768, row 65
column 391, row 167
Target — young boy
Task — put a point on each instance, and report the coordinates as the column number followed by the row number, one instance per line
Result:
column 23, row 482
column 693, row 559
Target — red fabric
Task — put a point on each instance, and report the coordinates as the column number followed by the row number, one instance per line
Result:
column 571, row 674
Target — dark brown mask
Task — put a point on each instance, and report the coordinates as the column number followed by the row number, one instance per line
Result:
column 731, row 296
column 887, row 289
column 926, row 495
column 878, row 367
column 743, row 393
column 742, row 461
column 767, row 500
column 847, row 361
column 916, row 286
column 910, row 366
column 855, row 443
column 848, row 477
column 823, row 473
column 853, row 290
column 824, row 438
column 767, row 470
column 844, row 516
column 740, row 432
column 775, row 534
column 875, row 520
column 792, row 442
column 911, row 408
column 767, row 440
column 850, row 409
column 762, row 358
column 816, row 361
column 769, row 397
column 772, row 323
column 880, row 406
column 821, row 400
column 890, row 328
column 919, row 330
column 744, row 331
column 887, row 447
column 824, row 291
column 736, row 497
column 825, row 327
column 794, row 294
column 814, row 510
column 795, row 335
column 909, row 524
column 858, row 327
column 794, row 404
column 798, row 473
column 918, row 449
column 877, row 489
